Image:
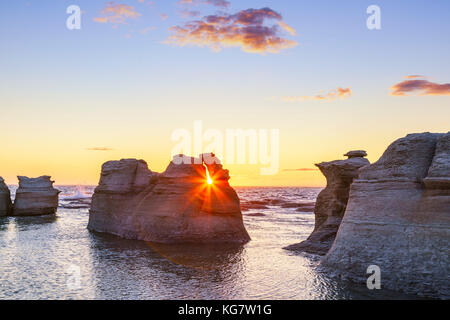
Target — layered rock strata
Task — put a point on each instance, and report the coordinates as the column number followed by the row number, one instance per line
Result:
column 35, row 196
column 5, row 199
column 398, row 218
column 332, row 202
column 175, row 206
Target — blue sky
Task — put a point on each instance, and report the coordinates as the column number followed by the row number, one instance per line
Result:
column 117, row 87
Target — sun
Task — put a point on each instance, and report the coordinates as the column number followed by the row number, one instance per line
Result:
column 209, row 180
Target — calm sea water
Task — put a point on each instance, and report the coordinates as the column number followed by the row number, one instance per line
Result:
column 56, row 257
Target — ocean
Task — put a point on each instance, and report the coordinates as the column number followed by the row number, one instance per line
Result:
column 56, row 257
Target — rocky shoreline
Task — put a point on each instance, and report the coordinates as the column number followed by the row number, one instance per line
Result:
column 393, row 214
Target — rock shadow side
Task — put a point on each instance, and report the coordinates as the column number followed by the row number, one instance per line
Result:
column 398, row 218
column 35, row 196
column 332, row 202
column 5, row 199
column 177, row 206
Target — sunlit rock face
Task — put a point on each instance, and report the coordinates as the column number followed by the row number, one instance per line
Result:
column 35, row 196
column 175, row 206
column 398, row 218
column 5, row 199
column 332, row 201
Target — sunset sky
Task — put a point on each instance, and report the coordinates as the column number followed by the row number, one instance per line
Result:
column 139, row 70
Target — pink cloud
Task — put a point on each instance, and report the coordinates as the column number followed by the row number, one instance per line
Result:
column 341, row 93
column 414, row 77
column 99, row 149
column 421, row 86
column 117, row 13
column 246, row 29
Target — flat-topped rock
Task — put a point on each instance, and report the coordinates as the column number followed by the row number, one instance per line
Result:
column 331, row 204
column 356, row 154
column 408, row 158
column 126, row 175
column 40, row 183
column 35, row 196
column 175, row 206
column 5, row 199
column 398, row 218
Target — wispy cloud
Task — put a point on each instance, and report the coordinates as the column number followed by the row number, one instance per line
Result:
column 421, row 86
column 287, row 27
column 189, row 13
column 217, row 3
column 339, row 93
column 150, row 3
column 146, row 30
column 246, row 29
column 414, row 76
column 117, row 13
column 100, row 149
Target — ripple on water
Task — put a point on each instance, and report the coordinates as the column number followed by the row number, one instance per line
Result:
column 38, row 252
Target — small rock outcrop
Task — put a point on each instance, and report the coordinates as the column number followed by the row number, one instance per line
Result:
column 5, row 199
column 356, row 154
column 398, row 218
column 35, row 196
column 172, row 207
column 332, row 202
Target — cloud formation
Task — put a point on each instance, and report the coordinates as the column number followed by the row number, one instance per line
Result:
column 246, row 29
column 415, row 76
column 421, row 86
column 146, row 30
column 189, row 13
column 117, row 13
column 99, row 149
column 216, row 3
column 288, row 28
column 341, row 93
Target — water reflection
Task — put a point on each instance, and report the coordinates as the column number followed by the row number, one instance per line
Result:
column 36, row 253
column 202, row 256
column 160, row 271
column 27, row 223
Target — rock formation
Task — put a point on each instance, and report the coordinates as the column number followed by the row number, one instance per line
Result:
column 5, row 199
column 398, row 218
column 176, row 206
column 356, row 154
column 332, row 201
column 35, row 196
